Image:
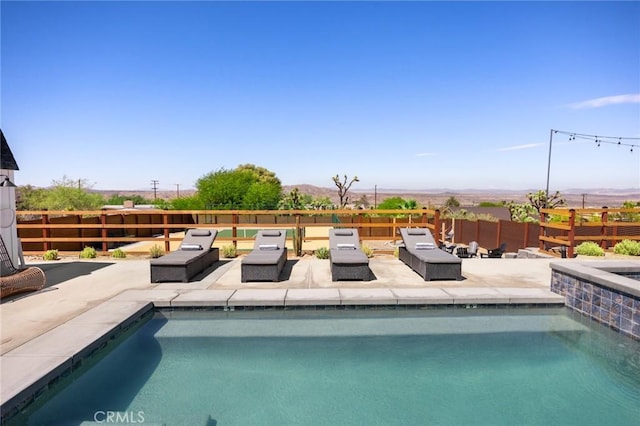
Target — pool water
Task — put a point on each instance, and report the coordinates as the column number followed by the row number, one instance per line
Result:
column 411, row 367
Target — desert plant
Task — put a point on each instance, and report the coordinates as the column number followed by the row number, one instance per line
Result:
column 119, row 254
column 322, row 253
column 628, row 247
column 367, row 250
column 88, row 253
column 156, row 251
column 589, row 248
column 50, row 255
column 229, row 251
column 396, row 252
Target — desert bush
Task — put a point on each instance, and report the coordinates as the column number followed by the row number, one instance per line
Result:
column 50, row 255
column 367, row 250
column 118, row 254
column 156, row 251
column 628, row 247
column 229, row 251
column 589, row 248
column 322, row 253
column 88, row 253
column 396, row 252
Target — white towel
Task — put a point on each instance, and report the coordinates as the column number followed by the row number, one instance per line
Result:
column 425, row 246
column 268, row 247
column 346, row 246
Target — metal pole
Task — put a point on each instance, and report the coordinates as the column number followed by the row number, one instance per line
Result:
column 546, row 192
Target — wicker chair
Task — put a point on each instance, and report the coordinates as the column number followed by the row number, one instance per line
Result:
column 14, row 280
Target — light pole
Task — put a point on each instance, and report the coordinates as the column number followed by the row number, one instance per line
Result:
column 546, row 192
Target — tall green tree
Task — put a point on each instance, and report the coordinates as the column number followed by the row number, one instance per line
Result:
column 246, row 187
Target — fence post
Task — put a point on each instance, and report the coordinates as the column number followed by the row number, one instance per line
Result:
column 103, row 232
column 526, row 235
column 572, row 231
column 604, row 217
column 436, row 224
column 165, row 231
column 234, row 229
column 45, row 231
column 499, row 234
column 543, row 230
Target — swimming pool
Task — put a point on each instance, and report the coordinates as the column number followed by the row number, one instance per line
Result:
column 446, row 367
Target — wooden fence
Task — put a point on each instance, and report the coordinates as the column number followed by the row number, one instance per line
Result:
column 66, row 231
column 43, row 230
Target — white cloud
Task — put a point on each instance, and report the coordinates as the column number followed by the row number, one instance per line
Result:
column 519, row 147
column 425, row 154
column 632, row 98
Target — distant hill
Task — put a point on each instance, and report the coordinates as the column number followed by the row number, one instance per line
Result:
column 433, row 197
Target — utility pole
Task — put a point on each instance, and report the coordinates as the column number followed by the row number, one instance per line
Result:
column 583, row 195
column 375, row 197
column 154, row 184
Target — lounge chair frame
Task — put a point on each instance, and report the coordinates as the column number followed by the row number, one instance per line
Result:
column 430, row 264
column 17, row 280
column 348, row 261
column 185, row 263
column 267, row 259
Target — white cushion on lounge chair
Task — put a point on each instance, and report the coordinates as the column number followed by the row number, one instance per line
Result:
column 268, row 247
column 190, row 247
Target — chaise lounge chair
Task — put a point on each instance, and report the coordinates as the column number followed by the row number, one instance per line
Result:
column 348, row 261
column 495, row 253
column 421, row 253
column 268, row 257
column 17, row 280
column 194, row 256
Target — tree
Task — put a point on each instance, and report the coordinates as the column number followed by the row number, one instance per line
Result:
column 64, row 194
column 120, row 199
column 246, row 187
column 343, row 188
column 294, row 200
column 362, row 202
column 539, row 200
column 30, row 198
column 392, row 203
column 452, row 202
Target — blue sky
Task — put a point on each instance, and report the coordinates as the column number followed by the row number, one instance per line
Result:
column 414, row 95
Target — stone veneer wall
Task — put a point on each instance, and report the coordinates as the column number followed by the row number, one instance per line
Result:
column 592, row 295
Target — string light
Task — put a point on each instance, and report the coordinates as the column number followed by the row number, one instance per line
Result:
column 611, row 140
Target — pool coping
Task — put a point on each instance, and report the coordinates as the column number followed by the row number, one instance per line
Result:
column 28, row 370
column 603, row 273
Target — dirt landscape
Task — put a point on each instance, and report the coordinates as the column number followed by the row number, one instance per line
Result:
column 577, row 198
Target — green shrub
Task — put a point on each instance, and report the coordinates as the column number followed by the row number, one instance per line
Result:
column 589, row 248
column 322, row 253
column 88, row 253
column 396, row 252
column 628, row 247
column 229, row 251
column 118, row 254
column 50, row 255
column 367, row 250
column 156, row 251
